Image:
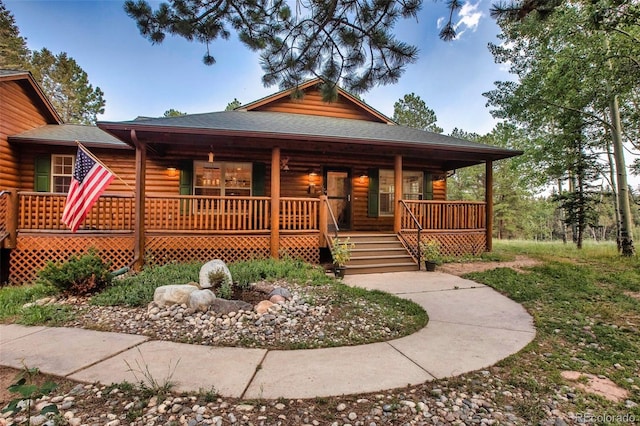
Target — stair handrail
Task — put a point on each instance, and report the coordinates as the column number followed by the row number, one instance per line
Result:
column 333, row 218
column 419, row 228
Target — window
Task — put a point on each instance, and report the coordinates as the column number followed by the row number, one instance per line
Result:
column 61, row 172
column 387, row 188
column 412, row 185
column 222, row 178
column 412, row 189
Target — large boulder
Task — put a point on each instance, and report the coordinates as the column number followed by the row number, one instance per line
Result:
column 200, row 300
column 173, row 294
column 213, row 266
column 224, row 307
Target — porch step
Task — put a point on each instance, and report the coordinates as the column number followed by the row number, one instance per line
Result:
column 380, row 268
column 376, row 253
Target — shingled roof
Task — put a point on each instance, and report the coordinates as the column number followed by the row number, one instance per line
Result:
column 67, row 134
column 275, row 125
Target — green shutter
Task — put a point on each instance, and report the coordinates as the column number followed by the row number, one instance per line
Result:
column 42, row 179
column 427, row 186
column 258, row 173
column 374, row 192
column 186, row 178
column 186, row 185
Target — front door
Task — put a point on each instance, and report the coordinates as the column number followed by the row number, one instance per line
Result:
column 338, row 186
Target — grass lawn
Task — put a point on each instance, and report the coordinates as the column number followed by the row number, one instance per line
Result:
column 586, row 308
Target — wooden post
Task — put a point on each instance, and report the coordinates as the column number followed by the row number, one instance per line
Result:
column 397, row 192
column 488, row 198
column 324, row 221
column 12, row 219
column 139, row 214
column 275, row 202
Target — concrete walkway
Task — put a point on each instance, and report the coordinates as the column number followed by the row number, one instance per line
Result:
column 470, row 327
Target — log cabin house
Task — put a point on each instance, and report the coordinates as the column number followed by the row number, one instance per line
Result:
column 279, row 176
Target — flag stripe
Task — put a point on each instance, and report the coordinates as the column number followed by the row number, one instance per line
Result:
column 89, row 181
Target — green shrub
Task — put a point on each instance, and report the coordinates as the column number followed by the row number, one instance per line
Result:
column 79, row 275
column 138, row 289
column 224, row 290
column 295, row 270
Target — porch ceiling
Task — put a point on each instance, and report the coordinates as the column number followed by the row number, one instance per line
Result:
column 303, row 133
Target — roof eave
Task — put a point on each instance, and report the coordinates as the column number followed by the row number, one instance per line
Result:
column 59, row 142
column 488, row 152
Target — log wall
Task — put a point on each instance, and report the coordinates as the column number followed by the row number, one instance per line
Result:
column 19, row 113
column 312, row 104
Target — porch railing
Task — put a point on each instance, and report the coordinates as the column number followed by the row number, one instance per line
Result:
column 444, row 215
column 188, row 213
column 40, row 211
column 4, row 216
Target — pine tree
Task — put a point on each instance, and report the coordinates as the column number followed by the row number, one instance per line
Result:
column 412, row 111
column 337, row 40
column 13, row 47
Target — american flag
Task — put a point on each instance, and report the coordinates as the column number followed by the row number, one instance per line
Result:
column 90, row 179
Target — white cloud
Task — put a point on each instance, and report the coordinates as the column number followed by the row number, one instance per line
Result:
column 469, row 18
column 439, row 22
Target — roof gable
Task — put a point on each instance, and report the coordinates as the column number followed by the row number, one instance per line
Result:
column 34, row 92
column 311, row 103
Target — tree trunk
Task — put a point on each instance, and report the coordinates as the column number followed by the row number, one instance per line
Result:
column 626, row 223
column 563, row 224
column 614, row 191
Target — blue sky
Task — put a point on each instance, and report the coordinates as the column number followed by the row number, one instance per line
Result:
column 139, row 78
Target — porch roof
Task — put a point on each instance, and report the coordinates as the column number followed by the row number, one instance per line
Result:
column 284, row 129
column 67, row 134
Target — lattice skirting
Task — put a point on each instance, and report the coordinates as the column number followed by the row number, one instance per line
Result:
column 453, row 243
column 34, row 251
column 202, row 248
column 301, row 247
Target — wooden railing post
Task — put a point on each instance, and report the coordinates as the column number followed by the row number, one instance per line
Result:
column 12, row 219
column 488, row 196
column 323, row 221
column 139, row 228
column 275, row 202
column 397, row 212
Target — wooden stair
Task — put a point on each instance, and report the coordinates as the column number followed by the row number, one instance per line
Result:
column 376, row 253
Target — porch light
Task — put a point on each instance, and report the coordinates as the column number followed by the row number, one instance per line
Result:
column 172, row 171
column 211, row 156
column 363, row 177
column 312, row 183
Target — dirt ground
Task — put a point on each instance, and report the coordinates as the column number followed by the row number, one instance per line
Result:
column 459, row 269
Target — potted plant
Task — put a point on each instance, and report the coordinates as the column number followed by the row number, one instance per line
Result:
column 430, row 254
column 341, row 252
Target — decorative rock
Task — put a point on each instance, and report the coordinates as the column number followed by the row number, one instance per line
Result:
column 262, row 287
column 276, row 298
column 225, row 307
column 263, row 307
column 281, row 291
column 173, row 294
column 200, row 300
column 213, row 266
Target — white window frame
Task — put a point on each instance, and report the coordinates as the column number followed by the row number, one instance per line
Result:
column 410, row 195
column 55, row 175
column 223, row 184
